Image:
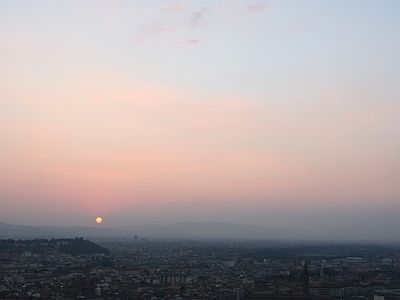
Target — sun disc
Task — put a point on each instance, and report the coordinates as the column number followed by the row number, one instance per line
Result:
column 99, row 220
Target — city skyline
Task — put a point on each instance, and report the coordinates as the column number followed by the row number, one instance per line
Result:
column 271, row 113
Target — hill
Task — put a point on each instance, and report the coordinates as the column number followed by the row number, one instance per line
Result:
column 182, row 230
column 77, row 246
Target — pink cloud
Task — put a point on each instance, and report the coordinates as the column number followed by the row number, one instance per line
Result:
column 190, row 42
column 138, row 42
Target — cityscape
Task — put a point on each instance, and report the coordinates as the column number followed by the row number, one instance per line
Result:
column 140, row 268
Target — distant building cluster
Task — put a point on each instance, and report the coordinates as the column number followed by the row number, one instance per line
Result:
column 201, row 270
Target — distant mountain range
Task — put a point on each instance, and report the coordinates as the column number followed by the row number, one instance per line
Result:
column 182, row 230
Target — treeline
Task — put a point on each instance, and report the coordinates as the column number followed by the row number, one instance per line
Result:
column 77, row 246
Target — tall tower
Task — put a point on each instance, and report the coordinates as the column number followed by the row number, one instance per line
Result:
column 305, row 279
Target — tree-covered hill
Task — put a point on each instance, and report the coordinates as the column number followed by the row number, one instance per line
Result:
column 77, row 246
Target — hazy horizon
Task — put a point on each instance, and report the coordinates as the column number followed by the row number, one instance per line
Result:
column 268, row 113
column 200, row 230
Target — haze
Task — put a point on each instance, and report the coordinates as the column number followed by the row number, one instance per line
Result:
column 271, row 113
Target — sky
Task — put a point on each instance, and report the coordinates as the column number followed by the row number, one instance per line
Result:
column 271, row 113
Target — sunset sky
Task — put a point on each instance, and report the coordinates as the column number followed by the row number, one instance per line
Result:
column 273, row 113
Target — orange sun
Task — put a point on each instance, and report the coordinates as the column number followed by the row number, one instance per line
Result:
column 99, row 220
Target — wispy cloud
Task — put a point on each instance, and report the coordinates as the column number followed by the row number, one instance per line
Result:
column 173, row 7
column 197, row 18
column 190, row 42
column 155, row 28
column 256, row 8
